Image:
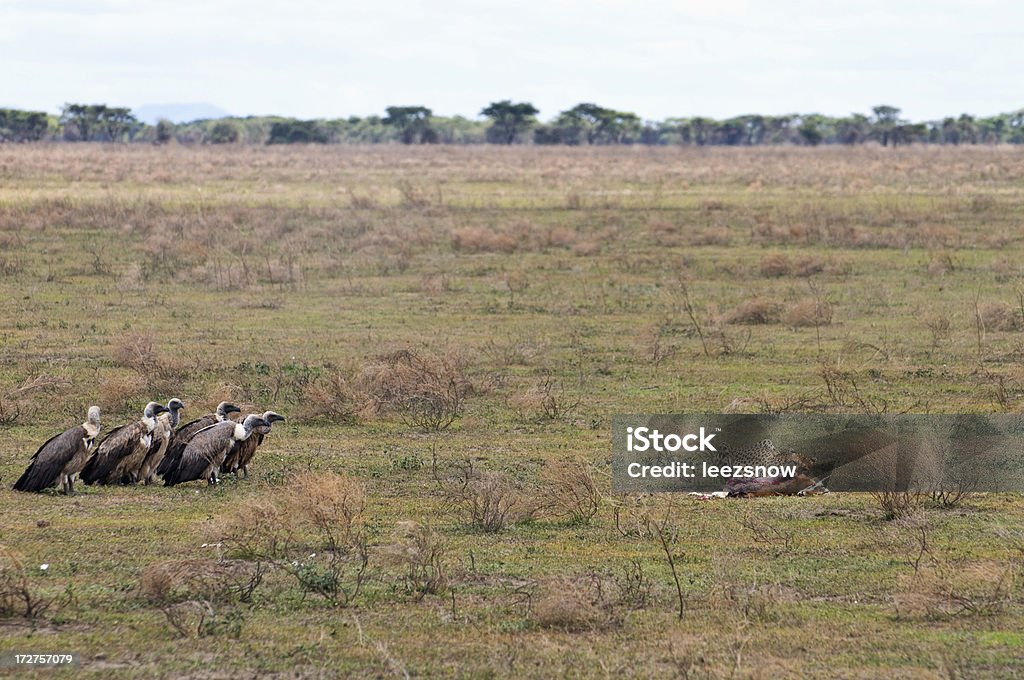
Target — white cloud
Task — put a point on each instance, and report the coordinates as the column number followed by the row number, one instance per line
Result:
column 656, row 57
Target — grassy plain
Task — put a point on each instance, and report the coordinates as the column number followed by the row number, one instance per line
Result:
column 570, row 285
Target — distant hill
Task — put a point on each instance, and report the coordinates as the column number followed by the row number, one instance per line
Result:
column 178, row 113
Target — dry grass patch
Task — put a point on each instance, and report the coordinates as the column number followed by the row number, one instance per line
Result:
column 777, row 265
column 419, row 553
column 311, row 528
column 808, row 312
column 174, row 581
column 568, row 490
column 999, row 316
column 488, row 501
column 426, row 390
column 755, row 311
column 120, row 393
column 18, row 597
column 574, row 605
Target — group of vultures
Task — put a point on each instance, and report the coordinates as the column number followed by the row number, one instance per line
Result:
column 149, row 449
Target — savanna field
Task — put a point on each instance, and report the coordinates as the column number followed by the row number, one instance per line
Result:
column 449, row 332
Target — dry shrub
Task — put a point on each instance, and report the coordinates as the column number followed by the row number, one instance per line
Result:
column 1006, row 269
column 999, row 316
column 569, row 490
column 23, row 401
column 257, row 528
column 808, row 312
column 755, row 311
column 941, row 264
column 776, row 265
column 18, row 599
column 633, row 515
column 310, row 529
column 210, row 580
column 545, row 400
column 809, row 265
column 137, row 353
column 419, row 553
column 751, row 602
column 574, row 605
column 426, row 390
column 482, row 240
column 713, row 236
column 939, row 588
column 939, row 326
column 120, row 393
column 336, row 396
column 897, row 505
column 586, row 248
column 654, row 344
column 188, row 618
column 332, row 503
column 488, row 501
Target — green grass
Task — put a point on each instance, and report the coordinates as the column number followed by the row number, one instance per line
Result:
column 257, row 274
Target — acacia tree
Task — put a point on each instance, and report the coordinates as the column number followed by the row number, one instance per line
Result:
column 412, row 122
column 885, row 121
column 22, row 126
column 509, row 120
column 97, row 122
column 597, row 125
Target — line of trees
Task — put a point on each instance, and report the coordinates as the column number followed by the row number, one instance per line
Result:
column 508, row 122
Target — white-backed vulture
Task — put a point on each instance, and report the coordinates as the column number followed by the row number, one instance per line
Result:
column 185, row 433
column 123, row 449
column 207, row 450
column 241, row 453
column 62, row 457
column 165, row 425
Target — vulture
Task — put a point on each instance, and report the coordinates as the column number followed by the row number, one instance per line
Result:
column 206, row 451
column 165, row 425
column 185, row 433
column 241, row 453
column 62, row 457
column 123, row 449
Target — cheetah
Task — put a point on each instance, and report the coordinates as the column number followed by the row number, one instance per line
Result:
column 763, row 452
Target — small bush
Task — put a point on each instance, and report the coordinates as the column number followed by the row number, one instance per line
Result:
column 899, row 504
column 755, row 311
column 489, row 501
column 120, row 393
column 420, row 554
column 336, row 397
column 999, row 316
column 574, row 605
column 808, row 312
column 546, row 400
column 426, row 390
column 568, row 490
column 482, row 240
column 333, row 504
column 210, row 580
column 310, row 529
column 18, row 599
column 775, row 265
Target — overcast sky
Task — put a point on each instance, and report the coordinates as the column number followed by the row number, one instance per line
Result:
column 658, row 58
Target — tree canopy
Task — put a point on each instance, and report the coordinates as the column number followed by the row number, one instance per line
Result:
column 510, row 122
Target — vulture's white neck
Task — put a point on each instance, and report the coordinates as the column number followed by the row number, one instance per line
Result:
column 90, row 429
column 149, row 422
column 241, row 434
